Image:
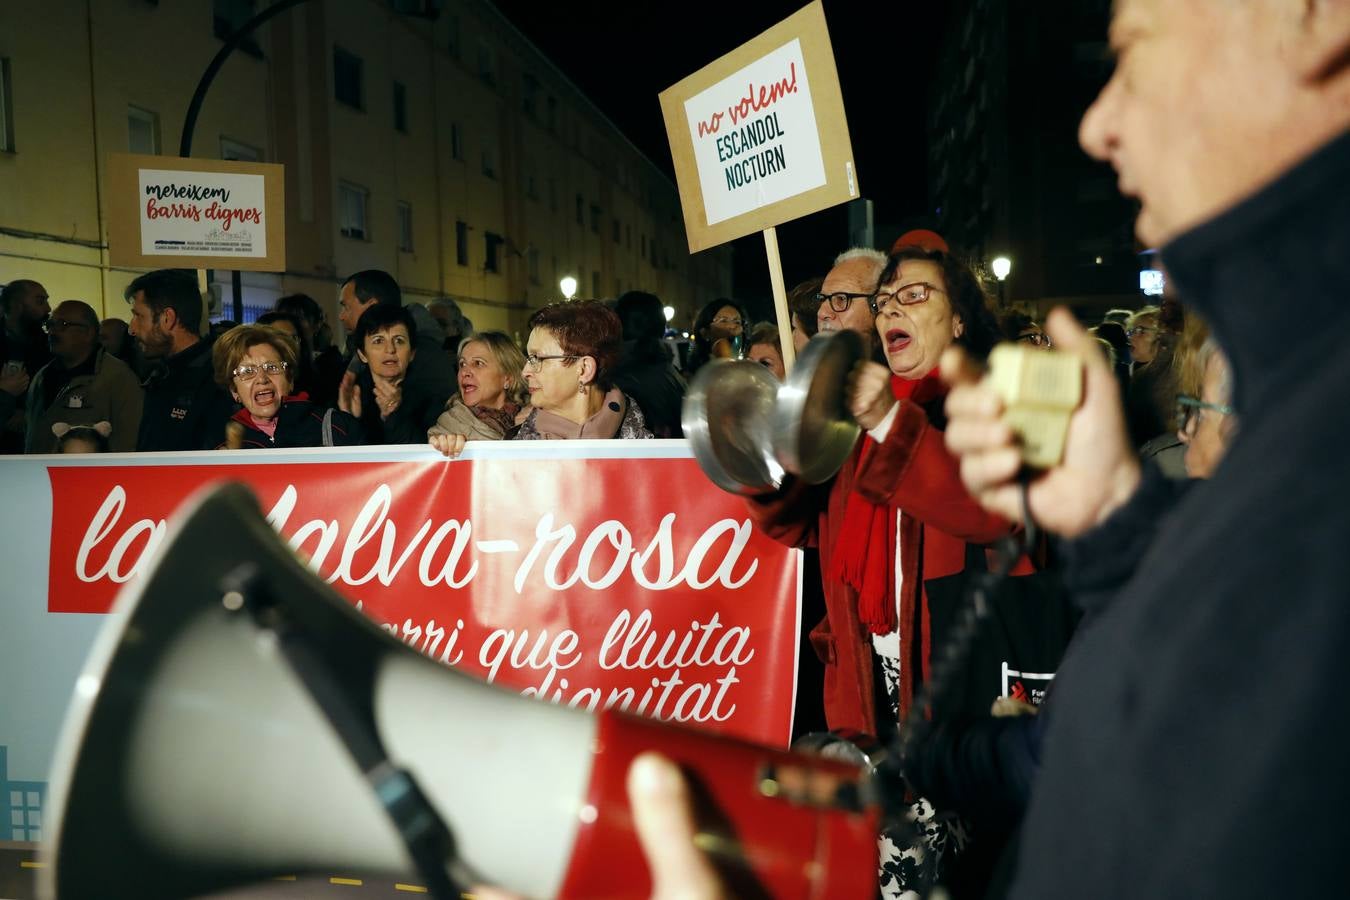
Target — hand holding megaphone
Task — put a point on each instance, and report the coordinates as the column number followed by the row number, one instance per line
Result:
column 1099, row 469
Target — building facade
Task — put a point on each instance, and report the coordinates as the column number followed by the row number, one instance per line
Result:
column 1006, row 174
column 449, row 152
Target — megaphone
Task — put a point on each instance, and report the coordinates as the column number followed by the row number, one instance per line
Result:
column 747, row 430
column 238, row 720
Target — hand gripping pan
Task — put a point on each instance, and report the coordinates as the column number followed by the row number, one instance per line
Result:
column 813, row 432
column 727, row 416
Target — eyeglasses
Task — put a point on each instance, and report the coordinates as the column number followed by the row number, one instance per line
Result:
column 1190, row 408
column 1140, row 329
column 910, row 294
column 1039, row 338
column 62, row 324
column 840, row 300
column 536, row 363
column 249, row 371
column 734, row 321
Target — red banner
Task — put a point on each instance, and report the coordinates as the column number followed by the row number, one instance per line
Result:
column 590, row 582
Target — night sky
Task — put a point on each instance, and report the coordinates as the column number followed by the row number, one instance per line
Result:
column 623, row 55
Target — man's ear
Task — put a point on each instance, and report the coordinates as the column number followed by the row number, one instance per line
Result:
column 1322, row 48
column 168, row 319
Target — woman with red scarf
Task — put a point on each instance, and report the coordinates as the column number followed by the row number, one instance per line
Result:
column 256, row 364
column 896, row 529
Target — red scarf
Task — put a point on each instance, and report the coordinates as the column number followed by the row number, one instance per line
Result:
column 864, row 553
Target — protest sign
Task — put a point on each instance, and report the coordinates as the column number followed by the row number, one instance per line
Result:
column 195, row 213
column 539, row 568
column 759, row 137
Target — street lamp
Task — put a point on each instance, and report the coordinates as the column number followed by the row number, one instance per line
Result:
column 1002, row 266
column 568, row 286
column 669, row 311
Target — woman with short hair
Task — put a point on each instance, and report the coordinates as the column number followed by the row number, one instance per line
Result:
column 255, row 364
column 391, row 410
column 570, row 358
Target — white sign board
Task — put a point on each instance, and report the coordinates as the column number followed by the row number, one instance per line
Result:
column 191, row 213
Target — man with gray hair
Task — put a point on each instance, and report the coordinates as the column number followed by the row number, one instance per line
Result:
column 1196, row 736
column 82, row 385
column 845, row 294
column 452, row 320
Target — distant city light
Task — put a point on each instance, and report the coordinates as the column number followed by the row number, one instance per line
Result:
column 1098, row 260
column 1001, row 266
column 1151, row 282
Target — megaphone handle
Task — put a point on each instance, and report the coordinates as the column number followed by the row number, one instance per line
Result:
column 421, row 828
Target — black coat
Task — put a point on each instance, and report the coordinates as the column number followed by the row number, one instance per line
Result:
column 646, row 374
column 301, row 424
column 1196, row 745
column 417, row 412
column 184, row 407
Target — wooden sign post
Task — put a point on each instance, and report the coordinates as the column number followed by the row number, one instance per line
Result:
column 759, row 138
column 168, row 212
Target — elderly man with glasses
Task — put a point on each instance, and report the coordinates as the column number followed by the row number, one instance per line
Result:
column 845, row 295
column 82, row 385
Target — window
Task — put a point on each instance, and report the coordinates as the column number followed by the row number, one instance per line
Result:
column 405, row 227
column 492, row 244
column 553, row 195
column 347, row 79
column 228, row 16
column 529, row 96
column 142, row 131
column 595, row 218
column 617, row 231
column 6, row 109
column 462, row 243
column 452, row 42
column 400, row 107
column 236, row 150
column 487, row 63
column 533, row 261
column 489, row 161
column 532, row 187
column 581, row 211
column 595, row 285
column 456, row 142
column 628, row 236
column 352, row 202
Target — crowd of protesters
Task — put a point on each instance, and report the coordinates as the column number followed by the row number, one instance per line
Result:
column 415, row 373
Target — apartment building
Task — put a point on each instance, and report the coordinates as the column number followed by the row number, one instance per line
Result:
column 448, row 151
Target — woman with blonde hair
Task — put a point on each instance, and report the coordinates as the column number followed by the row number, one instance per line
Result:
column 490, row 397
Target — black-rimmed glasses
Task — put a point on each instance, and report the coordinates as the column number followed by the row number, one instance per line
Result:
column 840, row 300
column 907, row 295
column 51, row 325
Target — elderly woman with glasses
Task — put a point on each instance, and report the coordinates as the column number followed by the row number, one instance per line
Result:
column 896, row 531
column 570, row 357
column 256, row 364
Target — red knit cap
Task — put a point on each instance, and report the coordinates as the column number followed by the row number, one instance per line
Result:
column 921, row 237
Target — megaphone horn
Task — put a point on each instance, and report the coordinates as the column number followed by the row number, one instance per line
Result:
column 215, row 739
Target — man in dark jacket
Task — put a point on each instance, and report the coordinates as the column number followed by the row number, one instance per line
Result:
column 1200, row 712
column 645, row 371
column 82, row 385
column 184, row 407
